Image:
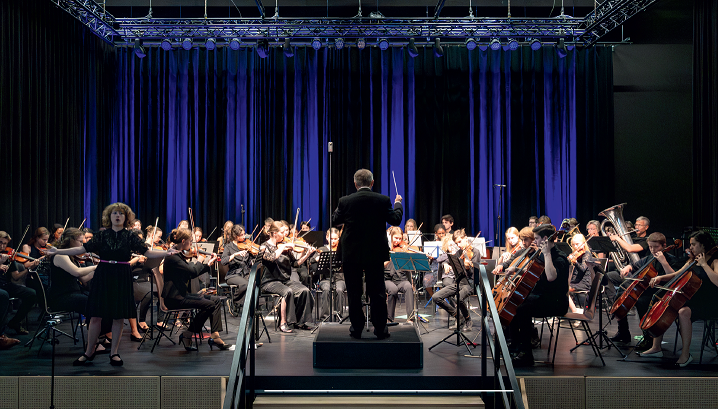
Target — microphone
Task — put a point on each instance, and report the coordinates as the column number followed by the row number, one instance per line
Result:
column 331, row 147
column 497, row 185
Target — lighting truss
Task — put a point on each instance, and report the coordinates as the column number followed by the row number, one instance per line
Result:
column 92, row 15
column 609, row 15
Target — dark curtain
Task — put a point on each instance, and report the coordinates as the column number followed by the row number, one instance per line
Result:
column 705, row 117
column 56, row 94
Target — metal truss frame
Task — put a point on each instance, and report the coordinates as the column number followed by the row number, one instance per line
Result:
column 92, row 15
column 609, row 15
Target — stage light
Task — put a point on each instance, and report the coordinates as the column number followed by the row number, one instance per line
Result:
column 234, row 43
column 513, row 44
column 210, row 44
column 316, row 44
column 411, row 48
column 287, row 48
column 495, row 44
column 166, row 44
column 561, row 48
column 339, row 43
column 383, row 44
column 470, row 44
column 535, row 44
column 187, row 44
column 361, row 43
column 263, row 48
column 139, row 49
column 438, row 49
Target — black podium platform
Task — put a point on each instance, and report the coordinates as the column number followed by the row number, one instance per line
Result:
column 334, row 348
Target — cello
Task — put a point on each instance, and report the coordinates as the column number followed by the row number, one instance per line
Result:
column 679, row 290
column 640, row 282
column 521, row 284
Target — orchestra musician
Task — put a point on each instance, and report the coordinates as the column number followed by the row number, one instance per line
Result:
column 238, row 263
column 543, row 220
column 512, row 241
column 410, row 225
column 451, row 245
column 526, row 236
column 662, row 262
column 295, row 305
column 703, row 303
column 264, row 233
column 178, row 271
column 36, row 248
column 197, row 234
column 305, row 227
column 57, row 230
column 183, row 224
column 67, row 274
column 439, row 232
column 580, row 273
column 12, row 270
column 137, row 224
column 88, row 234
column 533, row 221
column 323, row 277
column 447, row 221
column 363, row 249
column 111, row 290
column 639, row 246
column 547, row 299
column 397, row 281
column 226, row 236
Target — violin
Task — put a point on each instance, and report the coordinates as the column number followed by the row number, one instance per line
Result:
column 88, row 257
column 19, row 256
column 251, row 247
column 194, row 252
column 406, row 248
column 573, row 257
column 299, row 243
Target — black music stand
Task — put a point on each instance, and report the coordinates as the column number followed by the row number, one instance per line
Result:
column 601, row 244
column 327, row 259
column 414, row 262
column 457, row 265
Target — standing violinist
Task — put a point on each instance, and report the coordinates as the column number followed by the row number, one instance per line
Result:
column 12, row 270
column 397, row 281
column 547, row 299
column 237, row 262
column 324, row 284
column 451, row 245
column 702, row 305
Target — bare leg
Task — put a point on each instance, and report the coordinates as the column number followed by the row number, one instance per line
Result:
column 216, row 338
column 684, row 319
column 93, row 333
column 656, row 345
column 283, row 312
column 117, row 326
column 133, row 328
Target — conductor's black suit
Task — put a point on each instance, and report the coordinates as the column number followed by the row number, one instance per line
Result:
column 363, row 247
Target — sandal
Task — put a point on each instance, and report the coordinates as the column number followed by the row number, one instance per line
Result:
column 285, row 328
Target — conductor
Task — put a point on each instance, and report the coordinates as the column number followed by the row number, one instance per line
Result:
column 363, row 248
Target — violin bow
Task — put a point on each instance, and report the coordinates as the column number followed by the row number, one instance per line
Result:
column 417, row 236
column 82, row 224
column 211, row 233
column 296, row 219
column 154, row 232
column 252, row 234
column 21, row 240
column 191, row 219
column 66, row 221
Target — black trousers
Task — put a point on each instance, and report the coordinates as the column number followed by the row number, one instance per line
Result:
column 298, row 301
column 537, row 306
column 324, row 285
column 375, row 292
column 28, row 298
column 449, row 291
column 241, row 283
column 207, row 306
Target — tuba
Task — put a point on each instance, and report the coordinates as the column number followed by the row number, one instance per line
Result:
column 614, row 216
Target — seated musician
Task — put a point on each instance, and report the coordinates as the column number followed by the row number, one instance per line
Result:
column 547, row 299
column 300, row 271
column 543, row 220
column 56, row 234
column 5, row 342
column 323, row 279
column 66, row 275
column 183, row 224
column 702, row 305
column 36, row 248
column 581, row 273
column 178, row 270
column 137, row 224
column 226, row 235
column 533, row 221
column 512, row 242
column 238, row 263
column 662, row 262
column 639, row 246
column 397, row 281
column 447, row 221
column 88, row 234
column 295, row 305
column 9, row 271
column 197, row 234
column 451, row 245
column 526, row 237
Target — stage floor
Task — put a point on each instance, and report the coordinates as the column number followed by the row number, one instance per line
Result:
column 290, row 355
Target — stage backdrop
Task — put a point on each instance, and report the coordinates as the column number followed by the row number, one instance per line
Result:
column 221, row 130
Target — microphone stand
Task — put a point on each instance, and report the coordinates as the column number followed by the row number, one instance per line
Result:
column 499, row 222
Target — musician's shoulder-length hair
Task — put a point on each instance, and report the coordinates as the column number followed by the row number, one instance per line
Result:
column 107, row 215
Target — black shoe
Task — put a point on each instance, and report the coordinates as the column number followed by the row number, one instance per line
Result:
column 304, row 327
column 522, row 360
column 355, row 335
column 187, row 348
column 645, row 344
column 135, row 339
column 114, row 362
column 382, row 335
column 621, row 338
column 87, row 360
column 222, row 347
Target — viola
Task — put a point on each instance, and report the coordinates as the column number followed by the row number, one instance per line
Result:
column 679, row 290
column 640, row 282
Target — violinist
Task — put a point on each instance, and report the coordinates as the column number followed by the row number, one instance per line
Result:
column 305, row 227
column 547, row 299
column 66, row 274
column 153, row 237
column 703, row 303
column 451, row 245
column 36, row 248
column 439, row 232
column 238, row 262
column 197, row 234
column 512, row 242
column 88, row 234
column 397, row 281
column 137, row 224
column 410, row 225
column 526, row 237
column 226, row 235
column 12, row 270
column 178, row 271
column 581, row 272
column 662, row 262
column 57, row 230
column 295, row 305
column 324, row 284
column 300, row 271
column 264, row 233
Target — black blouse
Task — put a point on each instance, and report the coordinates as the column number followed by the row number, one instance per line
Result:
column 116, row 245
column 239, row 265
column 63, row 283
column 177, row 273
column 277, row 268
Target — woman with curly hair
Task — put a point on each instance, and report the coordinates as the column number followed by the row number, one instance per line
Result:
column 111, row 294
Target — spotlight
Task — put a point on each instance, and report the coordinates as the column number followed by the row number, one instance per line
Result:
column 535, row 44
column 339, row 43
column 187, row 44
column 470, row 44
column 513, row 44
column 263, row 48
column 411, row 48
column 495, row 44
column 316, row 44
column 438, row 49
column 287, row 48
column 361, row 43
column 166, row 44
column 483, row 46
column 234, row 43
column 561, row 48
column 210, row 44
column 383, row 44
column 139, row 49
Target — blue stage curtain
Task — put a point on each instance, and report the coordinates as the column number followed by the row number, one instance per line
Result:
column 218, row 130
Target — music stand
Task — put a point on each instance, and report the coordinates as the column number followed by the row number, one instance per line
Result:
column 602, row 244
column 328, row 263
column 412, row 262
column 459, row 272
column 315, row 238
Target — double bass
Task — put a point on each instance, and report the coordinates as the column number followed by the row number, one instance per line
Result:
column 679, row 290
column 640, row 282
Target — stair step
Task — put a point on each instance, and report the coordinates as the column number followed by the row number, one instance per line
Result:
column 327, row 401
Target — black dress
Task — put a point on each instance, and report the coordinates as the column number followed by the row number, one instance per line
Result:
column 703, row 303
column 111, row 294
